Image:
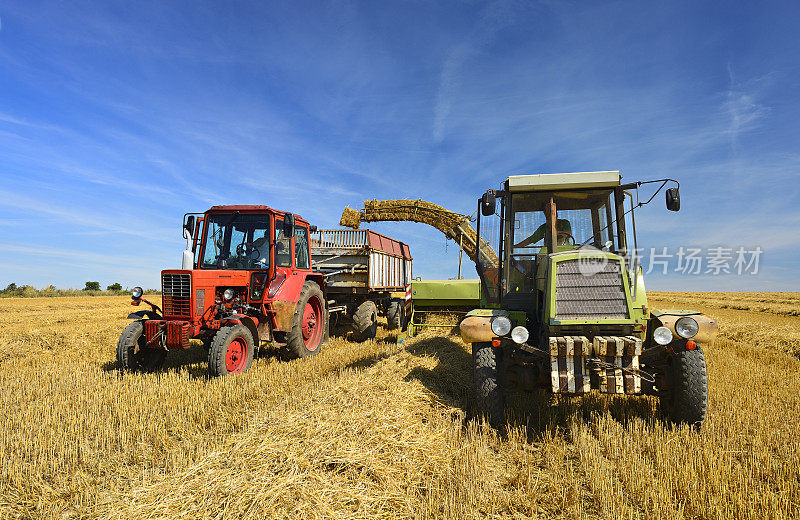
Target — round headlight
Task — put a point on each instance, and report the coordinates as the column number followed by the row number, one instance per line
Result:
column 501, row 326
column 520, row 334
column 662, row 335
column 686, row 327
column 228, row 294
column 137, row 292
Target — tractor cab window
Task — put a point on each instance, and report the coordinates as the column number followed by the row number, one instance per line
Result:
column 301, row 248
column 283, row 246
column 582, row 219
column 236, row 241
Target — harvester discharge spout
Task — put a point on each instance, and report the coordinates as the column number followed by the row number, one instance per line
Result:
column 454, row 226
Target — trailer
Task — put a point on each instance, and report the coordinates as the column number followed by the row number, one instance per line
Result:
column 366, row 274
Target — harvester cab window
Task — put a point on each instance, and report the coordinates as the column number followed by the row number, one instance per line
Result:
column 301, row 248
column 283, row 246
column 236, row 241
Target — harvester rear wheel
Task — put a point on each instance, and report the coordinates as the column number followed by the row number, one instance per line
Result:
column 365, row 321
column 395, row 313
column 231, row 351
column 686, row 399
column 489, row 398
column 310, row 326
column 133, row 355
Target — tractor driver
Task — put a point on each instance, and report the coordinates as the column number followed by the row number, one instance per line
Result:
column 563, row 234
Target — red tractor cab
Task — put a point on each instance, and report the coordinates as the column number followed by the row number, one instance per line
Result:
column 246, row 282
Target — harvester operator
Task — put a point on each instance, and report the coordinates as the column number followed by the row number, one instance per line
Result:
column 563, row 231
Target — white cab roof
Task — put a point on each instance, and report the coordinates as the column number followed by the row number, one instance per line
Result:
column 563, row 181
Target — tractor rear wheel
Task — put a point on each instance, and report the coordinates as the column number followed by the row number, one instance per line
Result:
column 365, row 321
column 686, row 399
column 489, row 397
column 310, row 326
column 133, row 355
column 395, row 313
column 231, row 351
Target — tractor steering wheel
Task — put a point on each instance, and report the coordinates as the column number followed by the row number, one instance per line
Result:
column 566, row 234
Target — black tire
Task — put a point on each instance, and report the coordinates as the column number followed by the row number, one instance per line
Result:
column 307, row 342
column 132, row 354
column 231, row 351
column 395, row 313
column 489, row 395
column 365, row 321
column 685, row 401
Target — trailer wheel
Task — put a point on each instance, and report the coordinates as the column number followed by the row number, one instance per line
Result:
column 133, row 355
column 365, row 321
column 231, row 351
column 686, row 399
column 309, row 329
column 395, row 313
column 489, row 398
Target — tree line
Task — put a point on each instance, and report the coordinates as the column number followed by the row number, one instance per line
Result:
column 91, row 288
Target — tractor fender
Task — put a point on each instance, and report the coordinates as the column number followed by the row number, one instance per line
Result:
column 248, row 321
column 707, row 327
column 477, row 326
column 144, row 315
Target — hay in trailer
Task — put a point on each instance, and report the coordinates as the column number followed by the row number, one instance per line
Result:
column 454, row 225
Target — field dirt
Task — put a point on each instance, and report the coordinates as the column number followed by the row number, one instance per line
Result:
column 380, row 430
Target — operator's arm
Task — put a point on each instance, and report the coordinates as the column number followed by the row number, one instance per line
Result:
column 535, row 237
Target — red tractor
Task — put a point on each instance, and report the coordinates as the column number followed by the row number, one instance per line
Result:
column 246, row 280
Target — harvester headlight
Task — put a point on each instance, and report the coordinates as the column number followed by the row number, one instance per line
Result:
column 520, row 334
column 662, row 335
column 228, row 294
column 686, row 327
column 137, row 292
column 501, row 326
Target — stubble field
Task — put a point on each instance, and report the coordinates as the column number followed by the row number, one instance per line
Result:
column 380, row 430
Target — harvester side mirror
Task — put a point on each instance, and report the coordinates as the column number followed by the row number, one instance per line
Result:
column 189, row 225
column 288, row 225
column 488, row 204
column 673, row 199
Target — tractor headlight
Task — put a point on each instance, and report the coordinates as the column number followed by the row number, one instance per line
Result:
column 662, row 335
column 137, row 292
column 520, row 334
column 501, row 326
column 686, row 327
column 228, row 294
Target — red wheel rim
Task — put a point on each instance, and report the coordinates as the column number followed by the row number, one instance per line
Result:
column 236, row 356
column 312, row 323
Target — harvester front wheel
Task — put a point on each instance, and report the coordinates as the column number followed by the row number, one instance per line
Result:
column 310, row 326
column 395, row 313
column 489, row 398
column 133, row 355
column 231, row 351
column 686, row 399
column 365, row 321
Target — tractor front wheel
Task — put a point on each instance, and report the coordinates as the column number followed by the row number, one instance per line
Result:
column 365, row 321
column 310, row 326
column 231, row 351
column 133, row 355
column 685, row 401
column 489, row 397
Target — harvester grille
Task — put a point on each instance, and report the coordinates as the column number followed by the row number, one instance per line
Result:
column 176, row 293
column 590, row 288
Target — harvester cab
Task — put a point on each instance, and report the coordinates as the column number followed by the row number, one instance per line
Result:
column 246, row 281
column 564, row 306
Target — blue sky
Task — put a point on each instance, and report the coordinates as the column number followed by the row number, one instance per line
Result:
column 118, row 117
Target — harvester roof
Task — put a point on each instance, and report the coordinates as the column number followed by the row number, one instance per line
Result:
column 563, row 181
